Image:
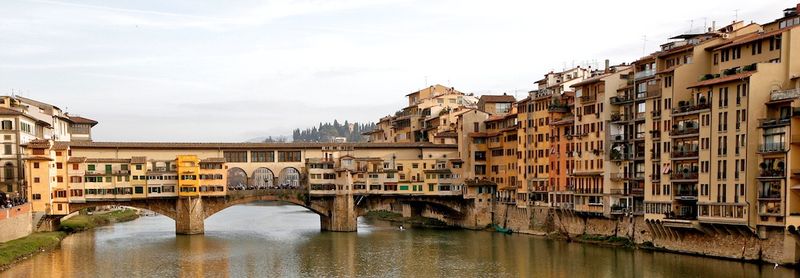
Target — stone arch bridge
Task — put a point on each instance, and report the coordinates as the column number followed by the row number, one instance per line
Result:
column 337, row 211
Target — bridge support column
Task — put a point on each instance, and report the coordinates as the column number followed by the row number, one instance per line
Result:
column 190, row 215
column 407, row 212
column 342, row 216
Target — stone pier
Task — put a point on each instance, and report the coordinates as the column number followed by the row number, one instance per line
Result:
column 341, row 215
column 190, row 216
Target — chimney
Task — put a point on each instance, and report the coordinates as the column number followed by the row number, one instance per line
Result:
column 607, row 65
column 713, row 25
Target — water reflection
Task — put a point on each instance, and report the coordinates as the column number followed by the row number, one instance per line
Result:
column 266, row 240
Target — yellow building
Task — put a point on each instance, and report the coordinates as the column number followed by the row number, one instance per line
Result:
column 188, row 175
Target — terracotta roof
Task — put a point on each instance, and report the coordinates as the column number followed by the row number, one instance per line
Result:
column 38, row 144
column 590, row 80
column 9, row 111
column 719, row 80
column 295, row 146
column 213, row 160
column 107, row 160
column 82, row 120
column 60, row 145
column 670, row 69
column 743, row 39
column 38, row 158
column 140, row 159
column 76, row 159
column 497, row 98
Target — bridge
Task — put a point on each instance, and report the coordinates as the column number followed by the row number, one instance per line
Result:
column 189, row 182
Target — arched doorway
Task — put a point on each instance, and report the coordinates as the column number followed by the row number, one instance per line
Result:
column 263, row 178
column 237, row 179
column 289, row 178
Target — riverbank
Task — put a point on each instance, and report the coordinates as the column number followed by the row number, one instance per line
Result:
column 17, row 250
column 84, row 221
column 416, row 221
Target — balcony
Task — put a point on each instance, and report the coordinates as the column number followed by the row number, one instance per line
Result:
column 784, row 94
column 618, row 177
column 685, row 131
column 774, row 122
column 685, row 194
column 691, row 153
column 637, row 190
column 771, row 174
column 769, row 196
column 588, row 98
column 775, row 147
column 680, row 176
column 688, row 109
column 620, row 99
column 644, row 74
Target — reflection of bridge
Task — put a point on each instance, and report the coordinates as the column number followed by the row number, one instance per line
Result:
column 189, row 182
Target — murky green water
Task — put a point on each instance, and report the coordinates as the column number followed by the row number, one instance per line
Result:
column 268, row 240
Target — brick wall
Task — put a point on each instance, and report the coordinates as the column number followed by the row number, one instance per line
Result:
column 15, row 222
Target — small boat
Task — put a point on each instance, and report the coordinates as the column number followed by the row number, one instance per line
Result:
column 502, row 230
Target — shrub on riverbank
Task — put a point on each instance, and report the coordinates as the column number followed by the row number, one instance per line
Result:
column 84, row 221
column 18, row 249
column 610, row 240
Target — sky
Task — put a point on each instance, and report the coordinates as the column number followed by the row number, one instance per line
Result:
column 209, row 71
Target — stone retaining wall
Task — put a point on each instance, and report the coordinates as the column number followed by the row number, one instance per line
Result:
column 15, row 222
column 723, row 243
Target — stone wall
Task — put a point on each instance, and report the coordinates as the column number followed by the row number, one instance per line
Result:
column 15, row 222
column 726, row 243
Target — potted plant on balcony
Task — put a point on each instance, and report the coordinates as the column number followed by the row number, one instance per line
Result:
column 702, row 100
column 615, row 154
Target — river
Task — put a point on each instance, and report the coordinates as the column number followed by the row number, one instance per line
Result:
column 271, row 240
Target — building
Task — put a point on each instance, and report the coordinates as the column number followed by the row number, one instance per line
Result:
column 24, row 120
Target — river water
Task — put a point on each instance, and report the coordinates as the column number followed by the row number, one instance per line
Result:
column 271, row 240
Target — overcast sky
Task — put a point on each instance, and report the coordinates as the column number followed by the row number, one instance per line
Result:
column 191, row 70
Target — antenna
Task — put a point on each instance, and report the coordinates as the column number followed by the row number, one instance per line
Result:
column 644, row 45
column 426, row 81
column 736, row 15
column 691, row 25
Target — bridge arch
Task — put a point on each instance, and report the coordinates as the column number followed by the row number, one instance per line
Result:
column 296, row 197
column 289, row 177
column 164, row 207
column 236, row 177
column 263, row 177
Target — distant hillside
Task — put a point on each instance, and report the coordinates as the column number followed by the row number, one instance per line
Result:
column 325, row 132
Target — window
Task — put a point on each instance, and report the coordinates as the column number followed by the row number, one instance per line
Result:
column 756, row 48
column 138, row 167
column 7, row 125
column 36, row 165
column 235, row 156
column 59, row 165
column 7, row 149
column 90, row 167
column 36, row 180
column 262, row 156
column 26, row 127
column 289, row 156
column 37, row 196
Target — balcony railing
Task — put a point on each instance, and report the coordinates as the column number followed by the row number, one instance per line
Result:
column 656, row 114
column 617, row 117
column 774, row 122
column 785, row 94
column 685, row 131
column 772, row 173
column 684, row 153
column 683, row 176
column 644, row 74
column 690, row 108
column 772, row 147
column 620, row 99
column 685, row 194
column 588, row 98
column 769, row 195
